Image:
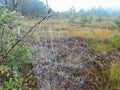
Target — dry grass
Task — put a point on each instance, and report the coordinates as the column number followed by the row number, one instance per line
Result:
column 67, row 29
column 94, row 34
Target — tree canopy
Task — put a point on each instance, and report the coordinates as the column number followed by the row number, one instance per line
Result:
column 32, row 8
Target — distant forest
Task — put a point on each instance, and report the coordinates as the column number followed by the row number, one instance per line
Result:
column 36, row 8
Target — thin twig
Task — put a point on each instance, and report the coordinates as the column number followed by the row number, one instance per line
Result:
column 2, row 34
column 47, row 4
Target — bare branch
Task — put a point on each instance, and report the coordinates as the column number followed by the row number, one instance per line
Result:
column 47, row 4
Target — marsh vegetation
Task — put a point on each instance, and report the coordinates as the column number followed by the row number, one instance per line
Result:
column 67, row 51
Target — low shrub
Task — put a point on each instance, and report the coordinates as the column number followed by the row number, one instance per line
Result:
column 115, row 40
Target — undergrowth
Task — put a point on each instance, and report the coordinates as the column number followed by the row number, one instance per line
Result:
column 109, row 77
column 15, row 67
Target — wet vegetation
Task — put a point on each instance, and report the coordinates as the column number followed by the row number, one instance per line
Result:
column 68, row 51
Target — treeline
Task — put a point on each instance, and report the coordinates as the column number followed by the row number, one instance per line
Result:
column 32, row 8
column 36, row 8
column 93, row 12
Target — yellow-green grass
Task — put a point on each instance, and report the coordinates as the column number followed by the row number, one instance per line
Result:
column 102, row 47
column 109, row 78
column 94, row 34
column 66, row 28
column 115, row 73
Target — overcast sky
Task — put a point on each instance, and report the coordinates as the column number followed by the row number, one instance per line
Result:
column 63, row 5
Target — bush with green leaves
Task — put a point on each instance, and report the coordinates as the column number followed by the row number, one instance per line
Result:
column 9, row 22
column 17, row 59
column 11, row 19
